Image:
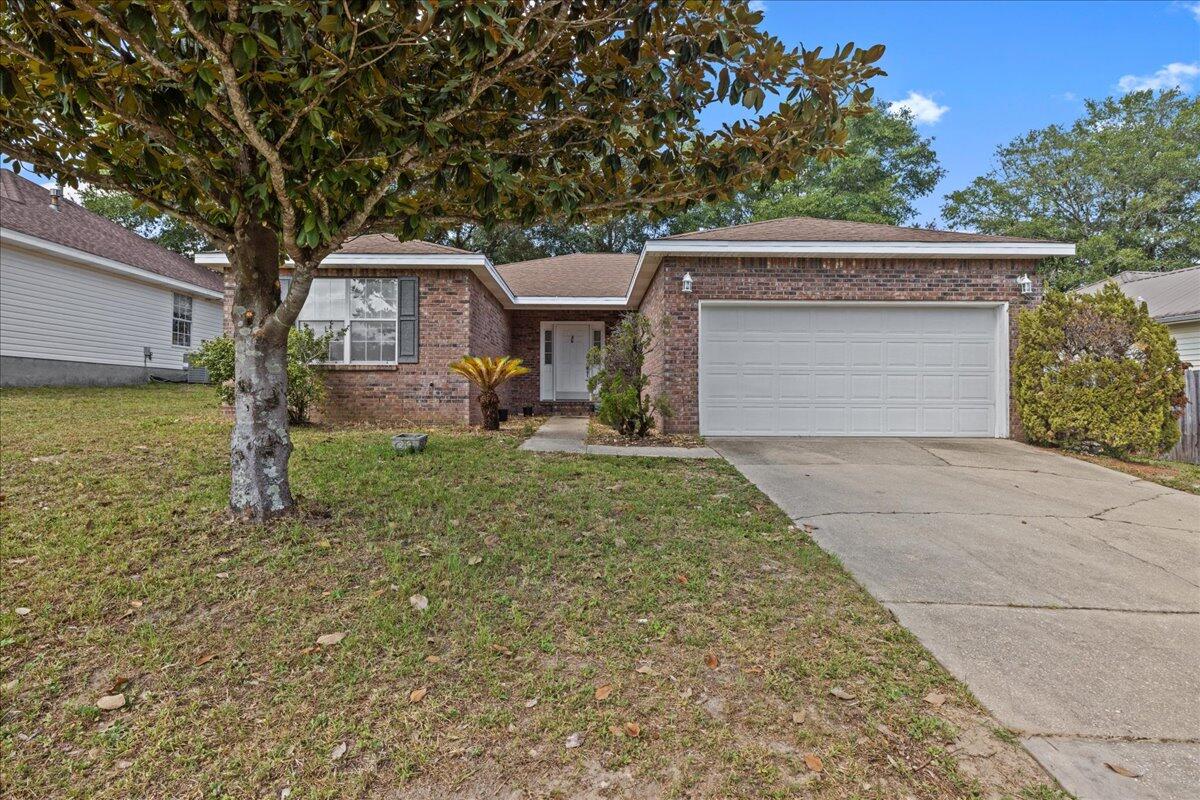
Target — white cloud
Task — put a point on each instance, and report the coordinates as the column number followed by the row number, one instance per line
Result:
column 1175, row 74
column 760, row 5
column 924, row 110
column 1193, row 7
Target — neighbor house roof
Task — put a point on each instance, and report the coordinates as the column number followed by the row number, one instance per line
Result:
column 1170, row 296
column 574, row 275
column 811, row 229
column 387, row 244
column 25, row 209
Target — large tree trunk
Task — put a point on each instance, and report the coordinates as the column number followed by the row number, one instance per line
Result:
column 260, row 446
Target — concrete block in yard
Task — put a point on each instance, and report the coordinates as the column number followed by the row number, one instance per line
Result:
column 410, row 442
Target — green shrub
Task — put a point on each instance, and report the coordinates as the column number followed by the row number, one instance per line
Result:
column 619, row 379
column 1095, row 372
column 305, row 383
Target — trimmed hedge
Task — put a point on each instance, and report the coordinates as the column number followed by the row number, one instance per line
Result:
column 1095, row 372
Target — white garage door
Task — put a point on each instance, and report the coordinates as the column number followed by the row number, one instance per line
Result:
column 846, row 370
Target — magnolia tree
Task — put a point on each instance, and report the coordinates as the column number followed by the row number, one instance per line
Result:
column 280, row 128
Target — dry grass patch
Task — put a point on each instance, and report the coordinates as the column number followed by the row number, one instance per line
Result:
column 599, row 433
column 1175, row 474
column 485, row 596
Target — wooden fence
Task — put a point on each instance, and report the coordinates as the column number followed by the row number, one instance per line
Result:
column 1188, row 448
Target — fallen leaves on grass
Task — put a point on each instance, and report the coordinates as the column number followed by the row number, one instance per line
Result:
column 842, row 694
column 417, row 695
column 419, row 602
column 604, row 691
column 798, row 717
column 633, row 730
column 573, row 741
column 204, row 659
column 330, row 639
column 111, row 702
column 473, row 560
column 813, row 762
column 338, row 751
column 22, row 611
column 712, row 661
column 935, row 699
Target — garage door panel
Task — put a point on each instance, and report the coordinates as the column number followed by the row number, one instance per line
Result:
column 829, row 385
column 902, row 354
column 830, row 353
column 845, row 370
column 866, row 387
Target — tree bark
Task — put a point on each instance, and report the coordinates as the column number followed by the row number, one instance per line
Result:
column 260, row 446
column 489, row 408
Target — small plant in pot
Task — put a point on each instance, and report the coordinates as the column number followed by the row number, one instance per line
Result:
column 488, row 373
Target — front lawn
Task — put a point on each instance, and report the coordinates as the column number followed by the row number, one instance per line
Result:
column 594, row 627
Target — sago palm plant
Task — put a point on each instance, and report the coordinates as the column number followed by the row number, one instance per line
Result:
column 488, row 373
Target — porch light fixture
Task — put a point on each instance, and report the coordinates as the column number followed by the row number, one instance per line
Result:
column 1025, row 284
column 687, row 283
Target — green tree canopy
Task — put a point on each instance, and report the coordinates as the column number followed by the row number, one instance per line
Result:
column 1122, row 182
column 887, row 166
column 166, row 230
column 285, row 126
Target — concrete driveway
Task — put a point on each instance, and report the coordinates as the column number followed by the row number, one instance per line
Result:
column 1065, row 595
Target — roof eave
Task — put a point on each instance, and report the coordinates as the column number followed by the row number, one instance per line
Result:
column 653, row 251
column 100, row 262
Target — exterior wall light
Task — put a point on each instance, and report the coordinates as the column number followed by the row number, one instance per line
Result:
column 687, row 283
column 1025, row 284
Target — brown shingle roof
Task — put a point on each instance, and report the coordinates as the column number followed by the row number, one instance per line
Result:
column 387, row 244
column 811, row 229
column 25, row 208
column 574, row 275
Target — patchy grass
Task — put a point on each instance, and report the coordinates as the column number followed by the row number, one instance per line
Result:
column 720, row 628
column 599, row 433
column 1176, row 474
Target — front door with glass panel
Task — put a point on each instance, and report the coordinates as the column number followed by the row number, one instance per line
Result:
column 570, row 369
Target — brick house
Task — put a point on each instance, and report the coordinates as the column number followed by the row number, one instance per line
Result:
column 795, row 326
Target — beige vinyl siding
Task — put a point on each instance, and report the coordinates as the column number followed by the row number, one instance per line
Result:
column 55, row 310
column 1187, row 340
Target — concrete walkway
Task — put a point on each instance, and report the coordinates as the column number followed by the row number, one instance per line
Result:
column 568, row 434
column 1065, row 595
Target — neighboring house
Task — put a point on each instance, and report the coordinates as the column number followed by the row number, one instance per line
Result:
column 84, row 301
column 1172, row 298
column 789, row 327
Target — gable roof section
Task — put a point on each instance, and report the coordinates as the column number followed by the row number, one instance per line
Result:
column 25, row 209
column 575, row 275
column 1170, row 296
column 812, row 229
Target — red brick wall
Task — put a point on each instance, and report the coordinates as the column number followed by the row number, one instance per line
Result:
column 674, row 371
column 401, row 393
column 489, row 336
column 526, row 345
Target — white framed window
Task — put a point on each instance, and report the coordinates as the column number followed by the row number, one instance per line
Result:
column 181, row 320
column 376, row 318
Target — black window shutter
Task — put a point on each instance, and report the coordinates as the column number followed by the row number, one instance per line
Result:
column 406, row 345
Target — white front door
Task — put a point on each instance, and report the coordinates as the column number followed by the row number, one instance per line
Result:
column 776, row 369
column 571, row 343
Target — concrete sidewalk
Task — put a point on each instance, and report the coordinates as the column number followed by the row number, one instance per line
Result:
column 1065, row 595
column 568, row 435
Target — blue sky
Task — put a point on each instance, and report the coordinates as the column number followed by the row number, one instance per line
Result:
column 982, row 73
column 1000, row 69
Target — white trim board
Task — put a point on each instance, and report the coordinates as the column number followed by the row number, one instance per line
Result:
column 653, row 251
column 1001, row 334
column 100, row 262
